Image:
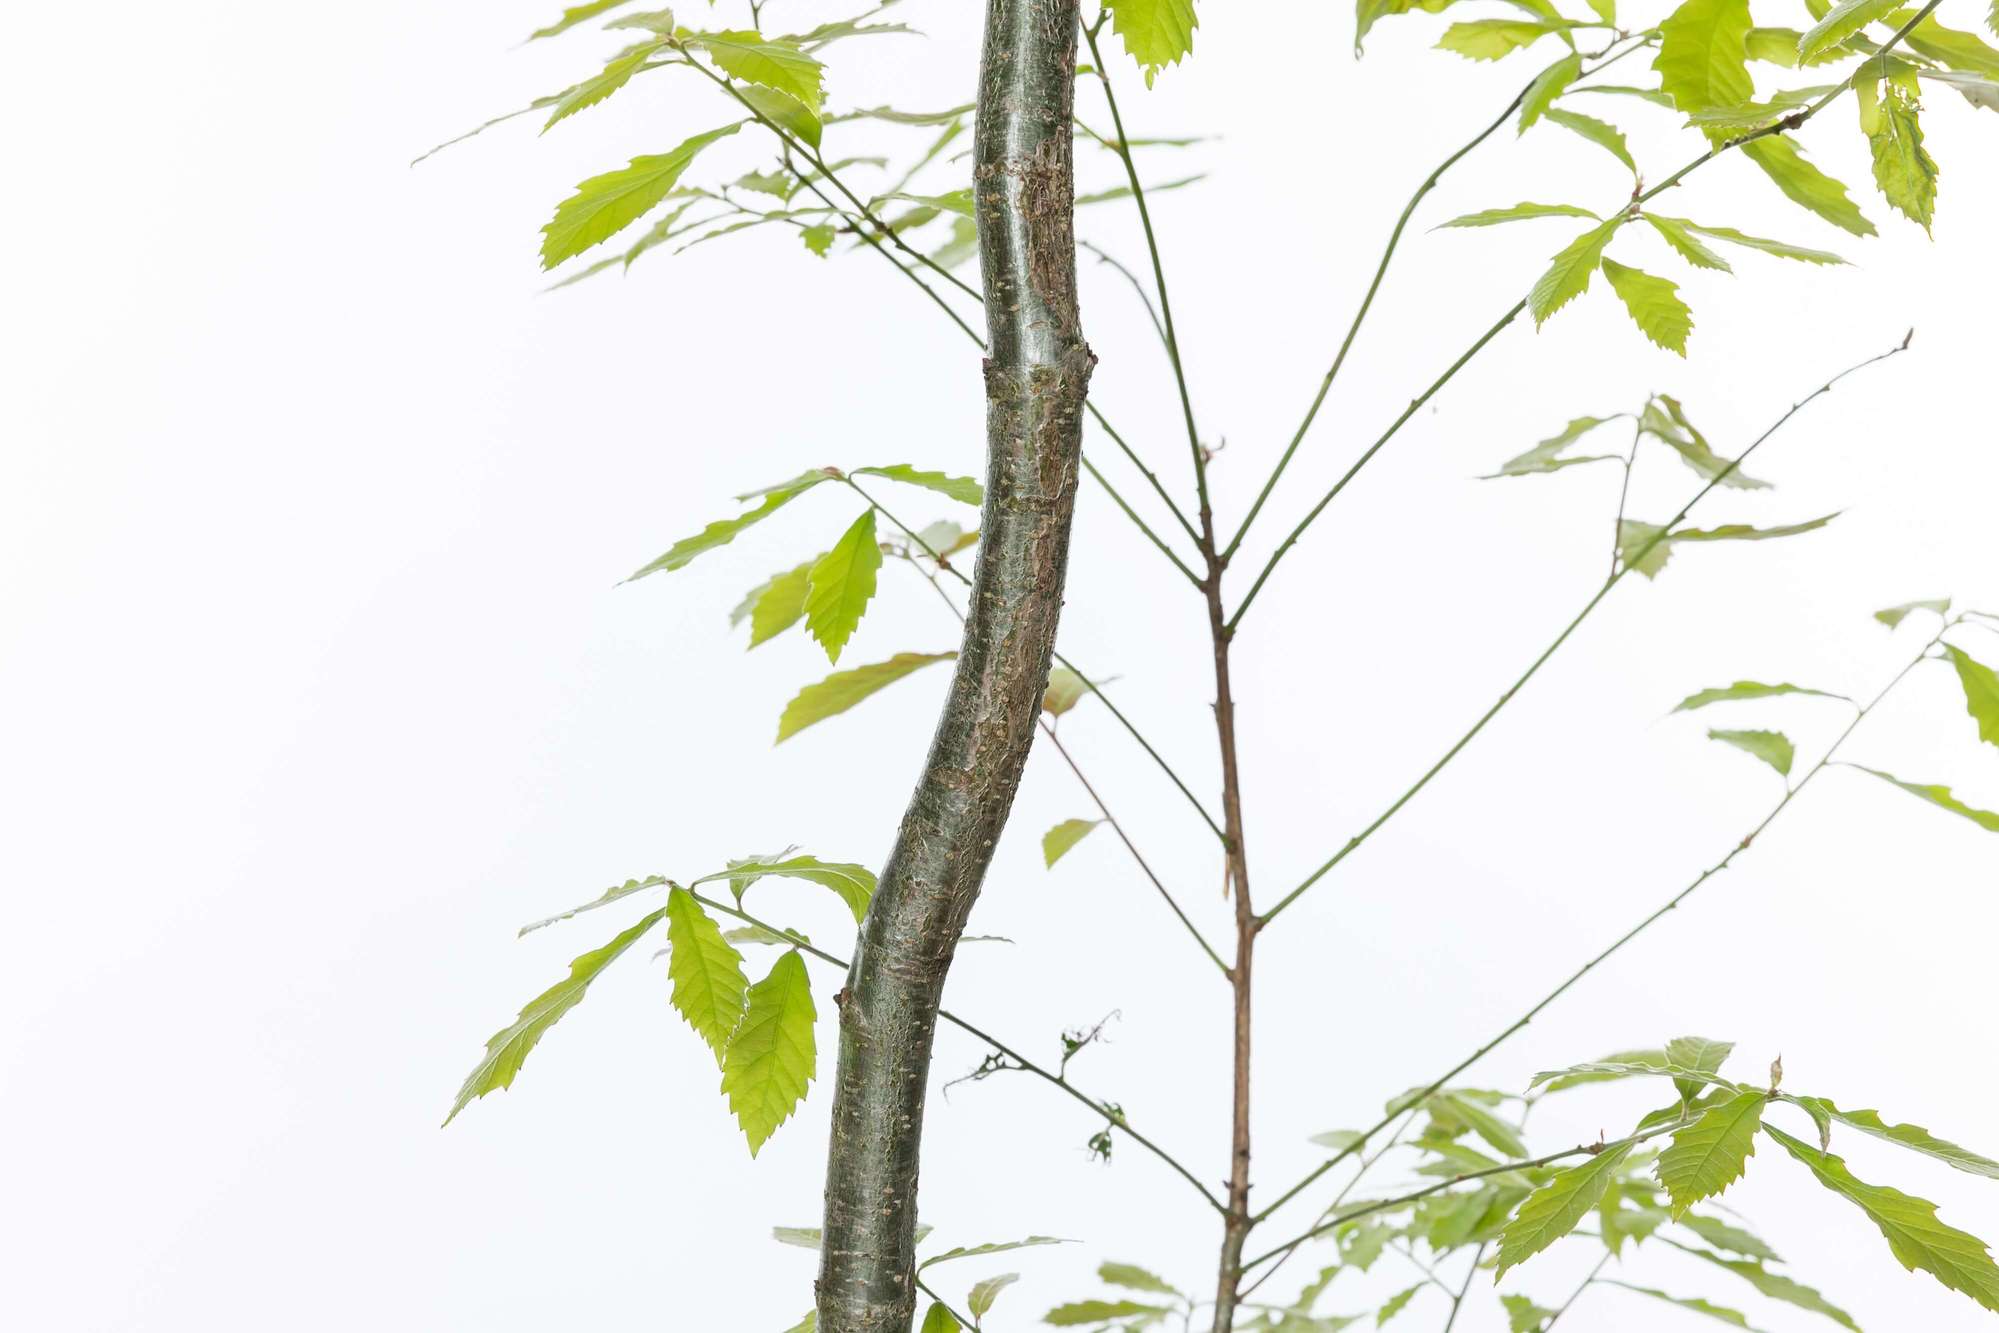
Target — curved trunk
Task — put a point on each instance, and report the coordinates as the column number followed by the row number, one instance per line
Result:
column 1037, row 371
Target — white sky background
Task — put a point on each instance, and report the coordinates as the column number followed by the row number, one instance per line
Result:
column 316, row 682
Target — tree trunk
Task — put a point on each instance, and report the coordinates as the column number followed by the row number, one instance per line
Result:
column 1036, row 372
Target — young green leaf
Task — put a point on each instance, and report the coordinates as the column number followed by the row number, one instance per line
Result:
column 1703, row 59
column 1079, row 1314
column 991, row 1247
column 707, row 975
column 962, row 489
column 979, row 1300
column 1746, row 689
column 1065, row 690
column 1903, row 168
column 1601, row 133
column 1772, row 747
column 843, row 689
column 508, row 1048
column 1778, row 1287
column 1909, row 1136
column 786, row 112
column 1940, row 795
column 778, row 604
column 574, row 15
column 1895, row 615
column 940, row 1320
column 1553, row 1211
column 1709, row 1155
column 1694, row 1303
column 1981, row 692
column 610, row 895
column 601, row 85
column 779, row 66
column 723, row 531
column 1523, row 1316
column 1368, row 12
column 771, row 1060
column 841, row 584
column 1841, row 22
column 1134, row 1278
column 1780, row 249
column 1569, row 273
column 1804, row 184
column 1156, row 33
column 1547, row 455
column 1493, row 39
column 809, row 1324
column 855, row 884
column 1743, row 532
column 605, row 205
column 1916, row 1237
column 1700, row 1056
column 1549, row 84
column 1057, row 841
column 1666, row 421
column 1517, row 213
column 1724, row 1236
column 1395, row 1305
column 1654, row 303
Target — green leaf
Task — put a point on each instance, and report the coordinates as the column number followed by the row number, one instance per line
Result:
column 1724, row 1236
column 1569, row 273
column 758, row 935
column 1903, row 168
column 1455, row 1106
column 1156, row 33
column 1772, row 747
column 1804, row 184
column 1743, row 532
column 1940, row 795
column 991, row 1247
column 778, row 604
column 1058, row 840
column 1709, row 1155
column 1644, row 547
column 574, row 15
column 1601, row 133
column 1652, row 95
column 940, row 1320
column 779, row 66
column 1396, row 1304
column 1746, row 689
column 855, row 884
column 1781, row 249
column 770, row 1062
column 1703, row 1057
column 1493, row 39
column 1624, row 1064
column 1841, row 22
column 1960, row 50
column 843, row 689
column 1694, row 1303
column 1549, row 84
column 1641, row 1068
column 610, row 895
column 1671, row 427
column 1517, row 213
column 1065, row 690
column 1076, row 1314
column 1547, row 455
column 1981, row 692
column 595, row 89
column 1908, row 1136
column 1778, row 1287
column 1703, row 58
column 786, row 112
column 841, row 584
column 1916, row 1237
column 809, row 1324
column 1634, row 537
column 1368, row 12
column 707, row 975
column 1136, row 1279
column 1654, row 303
column 1554, row 1210
column 724, row 531
column 982, row 1295
column 962, row 489
column 1523, row 1316
column 507, row 1050
column 1895, row 615
column 605, row 205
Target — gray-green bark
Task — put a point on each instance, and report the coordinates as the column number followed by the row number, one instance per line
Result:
column 1036, row 372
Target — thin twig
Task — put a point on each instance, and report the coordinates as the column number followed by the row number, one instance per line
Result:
column 1576, row 1295
column 1458, row 1301
column 1617, row 576
column 1670, row 905
column 1626, row 209
column 1118, row 1118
